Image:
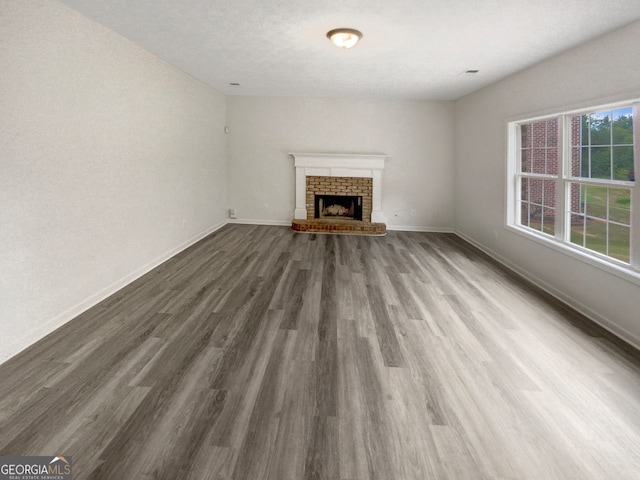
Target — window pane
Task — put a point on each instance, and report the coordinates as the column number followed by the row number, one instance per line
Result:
column 536, row 191
column 542, row 192
column 539, row 147
column 576, row 194
column 548, row 220
column 577, row 229
column 606, row 138
column 536, row 217
column 524, row 214
column 539, row 160
column 620, row 205
column 605, row 225
column 553, row 161
column 622, row 162
column 600, row 128
column 622, row 129
column 584, row 129
column 552, row 133
column 549, row 193
column 576, row 131
column 585, row 166
column 596, row 235
column 525, row 136
column 601, row 162
column 619, row 241
column 537, row 204
column 576, row 161
column 524, row 189
column 525, row 161
column 595, row 201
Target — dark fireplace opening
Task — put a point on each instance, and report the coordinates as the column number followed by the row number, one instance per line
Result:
column 338, row 206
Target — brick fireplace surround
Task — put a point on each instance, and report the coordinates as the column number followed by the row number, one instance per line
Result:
column 339, row 174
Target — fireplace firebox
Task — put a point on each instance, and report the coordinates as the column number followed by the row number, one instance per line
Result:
column 338, row 207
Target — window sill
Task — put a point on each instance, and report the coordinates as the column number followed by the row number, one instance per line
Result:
column 627, row 273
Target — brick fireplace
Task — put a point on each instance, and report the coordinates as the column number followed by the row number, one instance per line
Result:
column 358, row 188
column 339, row 193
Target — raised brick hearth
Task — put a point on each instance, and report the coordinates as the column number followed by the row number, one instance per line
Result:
column 349, row 227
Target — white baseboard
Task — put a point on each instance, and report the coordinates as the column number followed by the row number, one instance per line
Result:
column 411, row 228
column 18, row 344
column 592, row 315
column 247, row 221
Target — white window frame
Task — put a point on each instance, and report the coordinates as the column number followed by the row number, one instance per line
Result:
column 560, row 241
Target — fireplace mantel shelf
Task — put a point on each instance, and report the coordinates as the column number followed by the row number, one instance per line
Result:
column 339, row 165
column 339, row 160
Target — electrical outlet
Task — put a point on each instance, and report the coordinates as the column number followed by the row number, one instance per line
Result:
column 232, row 213
column 413, row 213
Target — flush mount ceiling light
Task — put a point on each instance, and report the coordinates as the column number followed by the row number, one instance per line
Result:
column 344, row 37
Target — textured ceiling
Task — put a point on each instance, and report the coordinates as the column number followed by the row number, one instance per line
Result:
column 412, row 49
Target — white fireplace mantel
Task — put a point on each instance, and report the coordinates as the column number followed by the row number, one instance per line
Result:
column 339, row 165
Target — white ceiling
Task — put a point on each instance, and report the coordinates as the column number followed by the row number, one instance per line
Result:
column 411, row 49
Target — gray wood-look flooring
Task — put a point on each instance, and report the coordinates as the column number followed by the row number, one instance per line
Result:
column 260, row 353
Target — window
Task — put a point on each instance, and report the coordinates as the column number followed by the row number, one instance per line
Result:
column 572, row 181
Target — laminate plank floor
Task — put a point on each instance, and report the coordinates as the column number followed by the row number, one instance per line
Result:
column 261, row 353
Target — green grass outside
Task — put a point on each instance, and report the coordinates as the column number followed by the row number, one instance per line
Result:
column 595, row 236
column 619, row 203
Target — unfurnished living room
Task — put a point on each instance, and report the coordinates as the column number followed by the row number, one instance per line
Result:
column 319, row 239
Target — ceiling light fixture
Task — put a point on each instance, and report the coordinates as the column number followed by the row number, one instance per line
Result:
column 344, row 37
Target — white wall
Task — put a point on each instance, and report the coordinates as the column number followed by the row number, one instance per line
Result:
column 110, row 161
column 600, row 71
column 417, row 135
